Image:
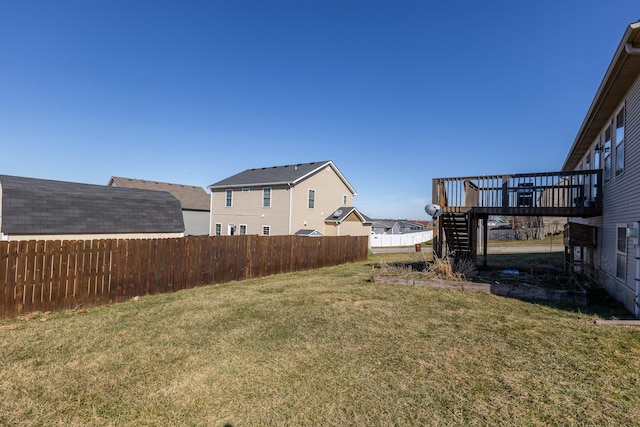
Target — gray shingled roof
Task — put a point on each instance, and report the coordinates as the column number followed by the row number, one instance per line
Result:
column 191, row 197
column 38, row 206
column 276, row 175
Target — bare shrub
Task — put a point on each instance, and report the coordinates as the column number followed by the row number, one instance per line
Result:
column 441, row 268
column 450, row 269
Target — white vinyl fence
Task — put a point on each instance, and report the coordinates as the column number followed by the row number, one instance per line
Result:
column 408, row 239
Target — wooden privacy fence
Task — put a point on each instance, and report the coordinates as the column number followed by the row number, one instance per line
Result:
column 52, row 275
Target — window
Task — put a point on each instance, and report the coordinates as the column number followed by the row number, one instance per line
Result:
column 266, row 197
column 621, row 253
column 266, row 230
column 620, row 142
column 607, row 154
column 243, row 229
column 344, row 200
column 312, row 199
column 229, row 199
column 218, row 229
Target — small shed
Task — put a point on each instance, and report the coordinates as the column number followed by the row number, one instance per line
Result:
column 41, row 209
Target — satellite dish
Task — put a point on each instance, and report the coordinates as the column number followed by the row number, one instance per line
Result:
column 434, row 210
column 337, row 213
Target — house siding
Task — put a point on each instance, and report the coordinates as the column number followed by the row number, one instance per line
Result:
column 352, row 226
column 247, row 209
column 621, row 206
column 196, row 223
column 330, row 192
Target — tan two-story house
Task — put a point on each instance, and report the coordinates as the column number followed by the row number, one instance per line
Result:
column 307, row 198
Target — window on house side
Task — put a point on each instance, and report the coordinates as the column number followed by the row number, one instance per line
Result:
column 218, row 229
column 621, row 253
column 344, row 200
column 620, row 142
column 266, row 230
column 607, row 154
column 312, row 199
column 266, row 197
column 243, row 229
column 229, row 199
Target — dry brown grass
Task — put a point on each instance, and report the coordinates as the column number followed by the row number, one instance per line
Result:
column 422, row 266
column 325, row 347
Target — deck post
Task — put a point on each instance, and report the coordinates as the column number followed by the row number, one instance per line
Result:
column 473, row 236
column 485, row 235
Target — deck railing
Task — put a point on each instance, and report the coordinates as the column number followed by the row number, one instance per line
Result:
column 548, row 193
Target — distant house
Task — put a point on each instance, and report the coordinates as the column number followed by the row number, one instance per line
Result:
column 43, row 209
column 194, row 200
column 397, row 226
column 305, row 198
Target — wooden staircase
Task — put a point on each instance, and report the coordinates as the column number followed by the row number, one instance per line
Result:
column 456, row 230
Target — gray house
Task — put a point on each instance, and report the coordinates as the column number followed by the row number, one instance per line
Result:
column 609, row 140
column 398, row 226
column 195, row 201
column 42, row 209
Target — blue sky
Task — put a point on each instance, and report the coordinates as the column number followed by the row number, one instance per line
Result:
column 394, row 92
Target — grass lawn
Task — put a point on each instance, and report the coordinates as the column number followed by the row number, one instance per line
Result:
column 324, row 347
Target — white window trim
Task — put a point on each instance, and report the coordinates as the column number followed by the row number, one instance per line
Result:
column 315, row 197
column 622, row 141
column 270, row 196
column 267, row 227
column 226, row 198
column 625, row 253
column 240, row 227
column 217, row 229
column 607, row 157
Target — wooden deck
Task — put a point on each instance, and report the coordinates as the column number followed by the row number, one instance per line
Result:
column 465, row 200
column 563, row 194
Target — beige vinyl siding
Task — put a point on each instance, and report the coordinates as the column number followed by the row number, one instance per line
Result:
column 330, row 191
column 247, row 209
column 352, row 226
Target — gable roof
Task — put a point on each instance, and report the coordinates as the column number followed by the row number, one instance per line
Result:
column 342, row 213
column 191, row 197
column 307, row 232
column 39, row 206
column 278, row 175
column 622, row 72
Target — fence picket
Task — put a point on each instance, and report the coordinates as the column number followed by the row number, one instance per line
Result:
column 4, row 272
